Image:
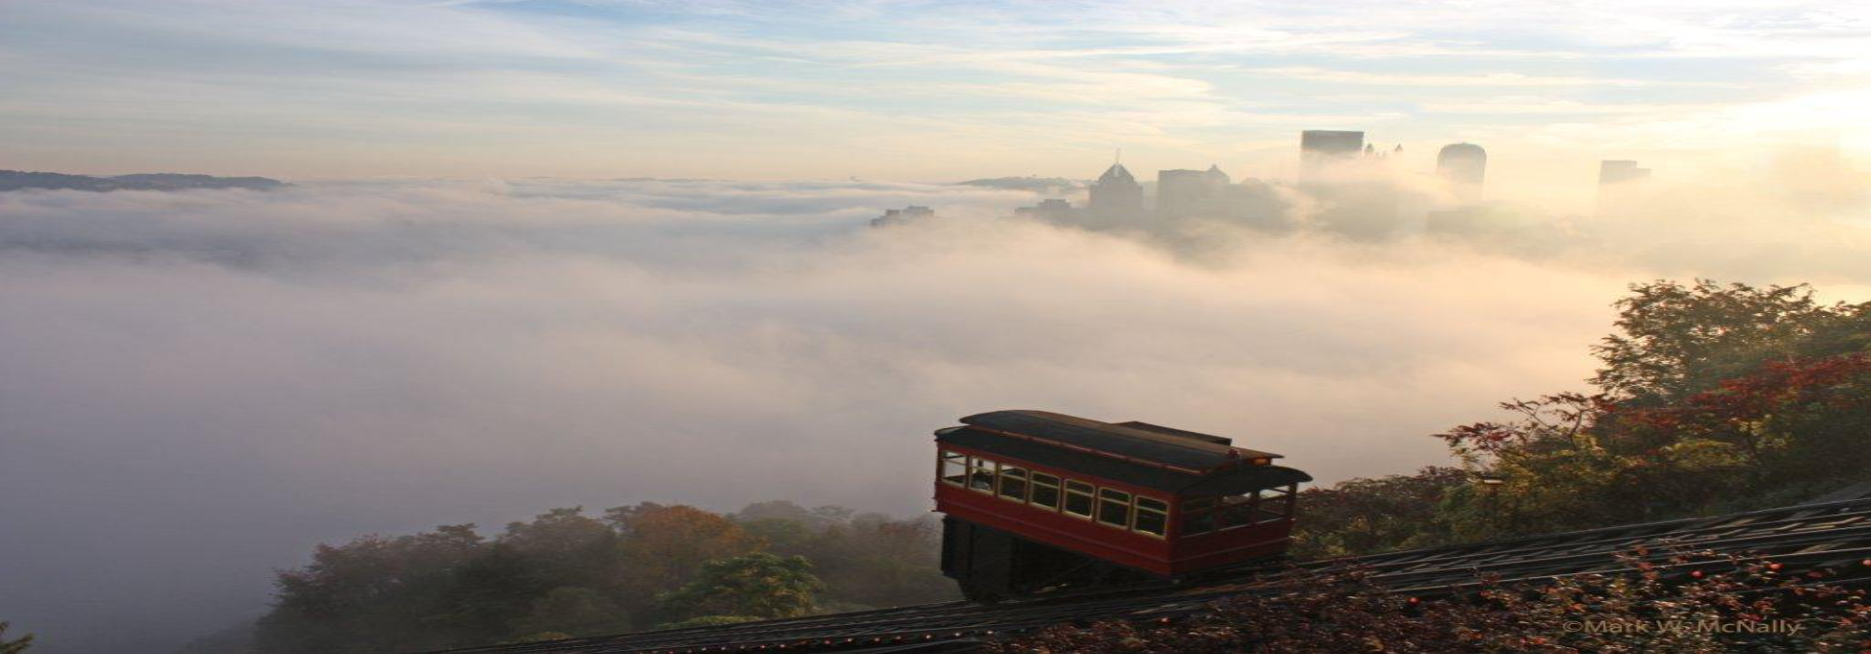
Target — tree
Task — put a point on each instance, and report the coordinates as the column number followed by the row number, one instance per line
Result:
column 756, row 585
column 370, row 595
column 564, row 547
column 563, row 574
column 1714, row 398
column 788, row 511
column 490, row 592
column 663, row 546
column 1676, row 339
column 1791, row 422
column 1364, row 516
column 574, row 611
column 866, row 560
column 13, row 646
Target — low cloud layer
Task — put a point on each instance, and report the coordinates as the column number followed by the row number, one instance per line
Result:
column 202, row 385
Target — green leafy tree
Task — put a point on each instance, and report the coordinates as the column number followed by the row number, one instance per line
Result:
column 866, row 560
column 575, row 611
column 758, row 585
column 876, row 561
column 663, row 546
column 567, row 573
column 1711, row 398
column 564, row 547
column 1363, row 516
column 490, row 593
column 1715, row 397
column 1677, row 339
column 13, row 646
column 371, row 595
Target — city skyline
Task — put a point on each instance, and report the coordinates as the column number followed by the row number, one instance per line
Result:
column 285, row 273
column 603, row 89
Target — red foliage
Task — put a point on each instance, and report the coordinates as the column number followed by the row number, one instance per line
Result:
column 1773, row 388
column 1562, row 416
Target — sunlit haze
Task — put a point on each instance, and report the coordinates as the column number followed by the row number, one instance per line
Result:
column 556, row 253
column 910, row 90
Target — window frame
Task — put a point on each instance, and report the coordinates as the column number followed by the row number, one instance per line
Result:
column 1034, row 484
column 1197, row 508
column 1129, row 498
column 943, row 457
column 975, row 466
column 1090, row 493
column 1001, row 477
column 1136, row 516
column 1283, row 496
column 1171, row 516
column 1235, row 516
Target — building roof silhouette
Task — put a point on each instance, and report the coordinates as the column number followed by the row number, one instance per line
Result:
column 1117, row 172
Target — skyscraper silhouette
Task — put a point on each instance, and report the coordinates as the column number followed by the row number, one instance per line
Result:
column 1320, row 147
column 1464, row 166
column 1618, row 182
column 1116, row 195
column 1619, row 171
column 1184, row 193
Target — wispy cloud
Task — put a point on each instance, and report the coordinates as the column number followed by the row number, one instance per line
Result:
column 1484, row 79
column 379, row 86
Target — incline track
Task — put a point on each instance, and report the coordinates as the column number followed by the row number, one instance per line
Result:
column 1834, row 535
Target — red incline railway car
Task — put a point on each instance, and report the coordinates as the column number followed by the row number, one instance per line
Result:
column 1037, row 500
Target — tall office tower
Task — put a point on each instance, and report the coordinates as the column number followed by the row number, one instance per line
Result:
column 1050, row 210
column 1184, row 193
column 1358, row 199
column 903, row 216
column 1618, row 182
column 1619, row 171
column 1320, row 147
column 1464, row 166
column 1116, row 196
column 1217, row 181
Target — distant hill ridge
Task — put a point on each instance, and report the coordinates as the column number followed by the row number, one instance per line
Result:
column 14, row 180
column 1034, row 184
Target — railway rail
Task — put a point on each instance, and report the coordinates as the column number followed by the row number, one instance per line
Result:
column 1834, row 534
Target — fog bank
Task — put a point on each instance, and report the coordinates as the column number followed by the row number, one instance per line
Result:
column 203, row 385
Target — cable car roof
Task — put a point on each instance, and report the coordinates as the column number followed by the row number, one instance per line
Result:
column 1134, row 452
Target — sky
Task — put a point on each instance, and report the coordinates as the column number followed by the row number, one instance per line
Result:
column 911, row 90
column 542, row 254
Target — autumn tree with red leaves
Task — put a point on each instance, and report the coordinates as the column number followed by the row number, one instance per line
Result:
column 1710, row 398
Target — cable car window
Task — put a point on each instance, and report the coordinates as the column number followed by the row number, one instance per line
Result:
column 1275, row 504
column 982, row 478
column 1152, row 516
column 1013, row 483
column 1078, row 498
column 1045, row 491
column 954, row 468
column 1235, row 511
column 1198, row 516
column 1114, row 507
